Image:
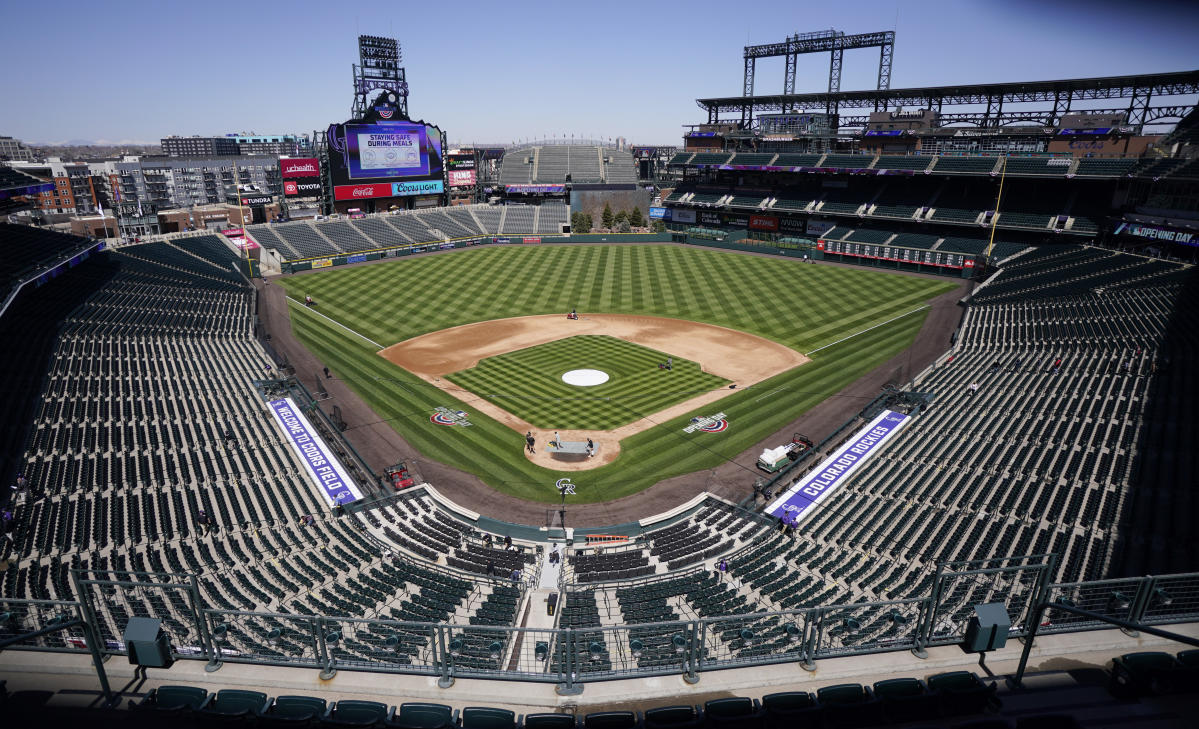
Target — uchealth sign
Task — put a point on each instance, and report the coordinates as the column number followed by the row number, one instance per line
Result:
column 300, row 167
column 388, row 189
column 295, row 188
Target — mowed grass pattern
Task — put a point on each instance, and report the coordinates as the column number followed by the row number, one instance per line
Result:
column 801, row 306
column 528, row 382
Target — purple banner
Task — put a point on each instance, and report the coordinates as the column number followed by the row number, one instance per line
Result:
column 837, row 468
column 326, row 471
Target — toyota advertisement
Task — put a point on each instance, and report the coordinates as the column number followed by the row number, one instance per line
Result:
column 299, row 167
column 302, row 188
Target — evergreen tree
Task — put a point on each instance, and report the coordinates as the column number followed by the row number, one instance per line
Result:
column 621, row 217
column 587, row 224
column 623, row 226
column 635, row 218
column 607, row 217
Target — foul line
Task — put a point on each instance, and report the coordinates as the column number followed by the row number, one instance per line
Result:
column 343, row 326
column 876, row 326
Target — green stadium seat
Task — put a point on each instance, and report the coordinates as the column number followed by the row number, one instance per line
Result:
column 734, row 711
column 549, row 721
column 611, row 720
column 848, row 705
column 485, row 717
column 905, row 699
column 293, row 711
column 420, row 715
column 175, row 699
column 788, row 709
column 231, row 703
column 675, row 717
column 355, row 713
column 1147, row 673
column 961, row 692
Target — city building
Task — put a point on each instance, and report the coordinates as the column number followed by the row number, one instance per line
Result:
column 14, row 149
column 198, row 146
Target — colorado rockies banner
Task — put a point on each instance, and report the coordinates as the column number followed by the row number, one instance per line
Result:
column 325, row 470
column 837, row 468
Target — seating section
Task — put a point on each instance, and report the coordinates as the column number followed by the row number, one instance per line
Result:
column 711, row 158
column 330, row 238
column 578, row 164
column 906, row 162
column 1037, row 165
column 1099, row 167
column 752, row 158
column 25, row 250
column 847, row 161
column 965, row 165
column 978, row 246
column 797, row 160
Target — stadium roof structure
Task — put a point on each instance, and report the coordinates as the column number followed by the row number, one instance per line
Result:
column 1149, row 100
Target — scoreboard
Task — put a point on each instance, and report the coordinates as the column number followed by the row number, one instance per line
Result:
column 945, row 259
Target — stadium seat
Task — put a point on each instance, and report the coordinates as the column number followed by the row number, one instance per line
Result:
column 961, row 692
column 549, row 721
column 483, row 717
column 235, row 703
column 293, row 711
column 791, row 709
column 418, row 715
column 175, row 699
column 1146, row 673
column 848, row 705
column 356, row 713
column 612, row 720
column 676, row 717
column 734, row 711
column 905, row 699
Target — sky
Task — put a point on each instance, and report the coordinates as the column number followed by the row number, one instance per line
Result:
column 497, row 72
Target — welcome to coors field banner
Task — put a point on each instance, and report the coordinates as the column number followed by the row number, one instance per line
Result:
column 837, row 468
column 325, row 470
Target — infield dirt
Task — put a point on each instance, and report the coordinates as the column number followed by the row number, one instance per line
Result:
column 743, row 359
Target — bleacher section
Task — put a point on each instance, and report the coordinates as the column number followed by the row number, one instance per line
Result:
column 797, row 160
column 848, row 161
column 150, row 450
column 620, row 168
column 907, row 162
column 964, row 165
column 1037, row 165
column 1097, row 167
column 24, row 250
column 554, row 164
column 328, row 238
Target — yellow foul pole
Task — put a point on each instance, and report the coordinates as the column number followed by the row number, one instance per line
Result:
column 995, row 217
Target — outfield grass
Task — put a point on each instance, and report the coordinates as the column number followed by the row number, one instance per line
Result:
column 805, row 307
column 528, row 382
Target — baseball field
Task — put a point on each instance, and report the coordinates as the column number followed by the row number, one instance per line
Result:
column 483, row 332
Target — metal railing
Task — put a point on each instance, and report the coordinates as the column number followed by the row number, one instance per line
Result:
column 571, row 656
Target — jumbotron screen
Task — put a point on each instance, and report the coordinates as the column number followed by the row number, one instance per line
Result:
column 385, row 159
column 392, row 150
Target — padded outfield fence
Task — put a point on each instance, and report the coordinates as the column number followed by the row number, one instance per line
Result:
column 576, row 655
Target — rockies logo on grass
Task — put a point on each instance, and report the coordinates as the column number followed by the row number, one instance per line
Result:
column 565, row 486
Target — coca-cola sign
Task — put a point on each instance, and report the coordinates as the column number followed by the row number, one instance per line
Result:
column 300, row 167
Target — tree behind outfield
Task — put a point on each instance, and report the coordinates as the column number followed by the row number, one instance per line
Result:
column 635, row 218
column 621, row 217
column 580, row 222
column 607, row 217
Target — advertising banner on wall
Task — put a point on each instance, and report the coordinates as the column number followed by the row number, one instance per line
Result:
column 387, row 189
column 299, row 188
column 659, row 213
column 299, row 167
column 679, row 215
column 462, row 178
column 819, row 227
column 764, row 222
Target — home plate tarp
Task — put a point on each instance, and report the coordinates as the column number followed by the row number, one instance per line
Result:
column 839, row 467
column 326, row 471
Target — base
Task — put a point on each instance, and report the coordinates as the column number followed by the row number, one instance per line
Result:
column 445, row 682
column 328, row 673
column 213, row 666
column 563, row 689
